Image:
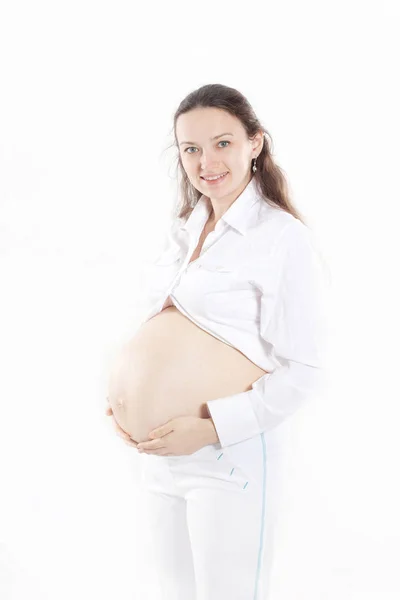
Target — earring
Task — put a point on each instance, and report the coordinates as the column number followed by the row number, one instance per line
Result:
column 254, row 165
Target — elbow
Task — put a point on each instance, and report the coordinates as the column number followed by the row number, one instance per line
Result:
column 305, row 377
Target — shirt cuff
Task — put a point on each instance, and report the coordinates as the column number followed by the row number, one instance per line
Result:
column 233, row 418
column 242, row 416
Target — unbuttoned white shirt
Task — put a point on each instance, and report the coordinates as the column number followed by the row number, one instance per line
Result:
column 257, row 285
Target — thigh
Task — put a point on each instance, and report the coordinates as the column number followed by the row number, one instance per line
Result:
column 165, row 523
column 231, row 519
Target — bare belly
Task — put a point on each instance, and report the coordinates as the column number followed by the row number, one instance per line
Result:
column 170, row 368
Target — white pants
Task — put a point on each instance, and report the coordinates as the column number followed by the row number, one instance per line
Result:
column 211, row 517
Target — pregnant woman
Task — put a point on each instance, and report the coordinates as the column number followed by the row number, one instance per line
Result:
column 230, row 347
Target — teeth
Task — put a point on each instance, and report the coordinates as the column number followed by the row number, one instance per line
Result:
column 212, row 178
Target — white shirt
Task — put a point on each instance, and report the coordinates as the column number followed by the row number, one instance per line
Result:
column 256, row 286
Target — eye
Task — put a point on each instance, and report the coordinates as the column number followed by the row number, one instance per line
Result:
column 221, row 142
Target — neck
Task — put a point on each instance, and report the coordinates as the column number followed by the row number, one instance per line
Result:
column 221, row 205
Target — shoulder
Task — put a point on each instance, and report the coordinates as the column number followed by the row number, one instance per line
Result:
column 298, row 252
column 287, row 242
column 293, row 233
column 275, row 228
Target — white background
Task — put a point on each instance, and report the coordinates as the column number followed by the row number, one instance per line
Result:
column 88, row 92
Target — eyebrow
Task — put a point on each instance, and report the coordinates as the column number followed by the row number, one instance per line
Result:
column 211, row 139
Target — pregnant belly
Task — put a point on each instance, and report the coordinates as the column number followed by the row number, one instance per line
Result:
column 170, row 368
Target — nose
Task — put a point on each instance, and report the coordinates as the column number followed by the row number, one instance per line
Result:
column 208, row 162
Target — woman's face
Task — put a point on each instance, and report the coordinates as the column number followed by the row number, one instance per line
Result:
column 201, row 154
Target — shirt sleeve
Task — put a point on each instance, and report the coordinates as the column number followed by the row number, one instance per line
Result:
column 292, row 326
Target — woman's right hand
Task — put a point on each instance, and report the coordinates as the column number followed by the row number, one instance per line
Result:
column 119, row 431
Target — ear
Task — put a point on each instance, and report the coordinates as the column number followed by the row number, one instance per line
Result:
column 258, row 141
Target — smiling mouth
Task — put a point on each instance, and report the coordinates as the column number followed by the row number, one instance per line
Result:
column 215, row 177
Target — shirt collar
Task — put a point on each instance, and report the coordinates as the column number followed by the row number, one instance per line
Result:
column 239, row 215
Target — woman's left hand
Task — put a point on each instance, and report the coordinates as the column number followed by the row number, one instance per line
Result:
column 182, row 435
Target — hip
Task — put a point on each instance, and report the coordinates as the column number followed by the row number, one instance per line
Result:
column 243, row 467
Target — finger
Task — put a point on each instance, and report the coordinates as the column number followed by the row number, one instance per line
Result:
column 131, row 443
column 153, row 445
column 127, row 439
column 119, row 431
column 162, row 450
column 124, row 434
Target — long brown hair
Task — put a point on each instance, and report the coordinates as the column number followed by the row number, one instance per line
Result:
column 269, row 177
